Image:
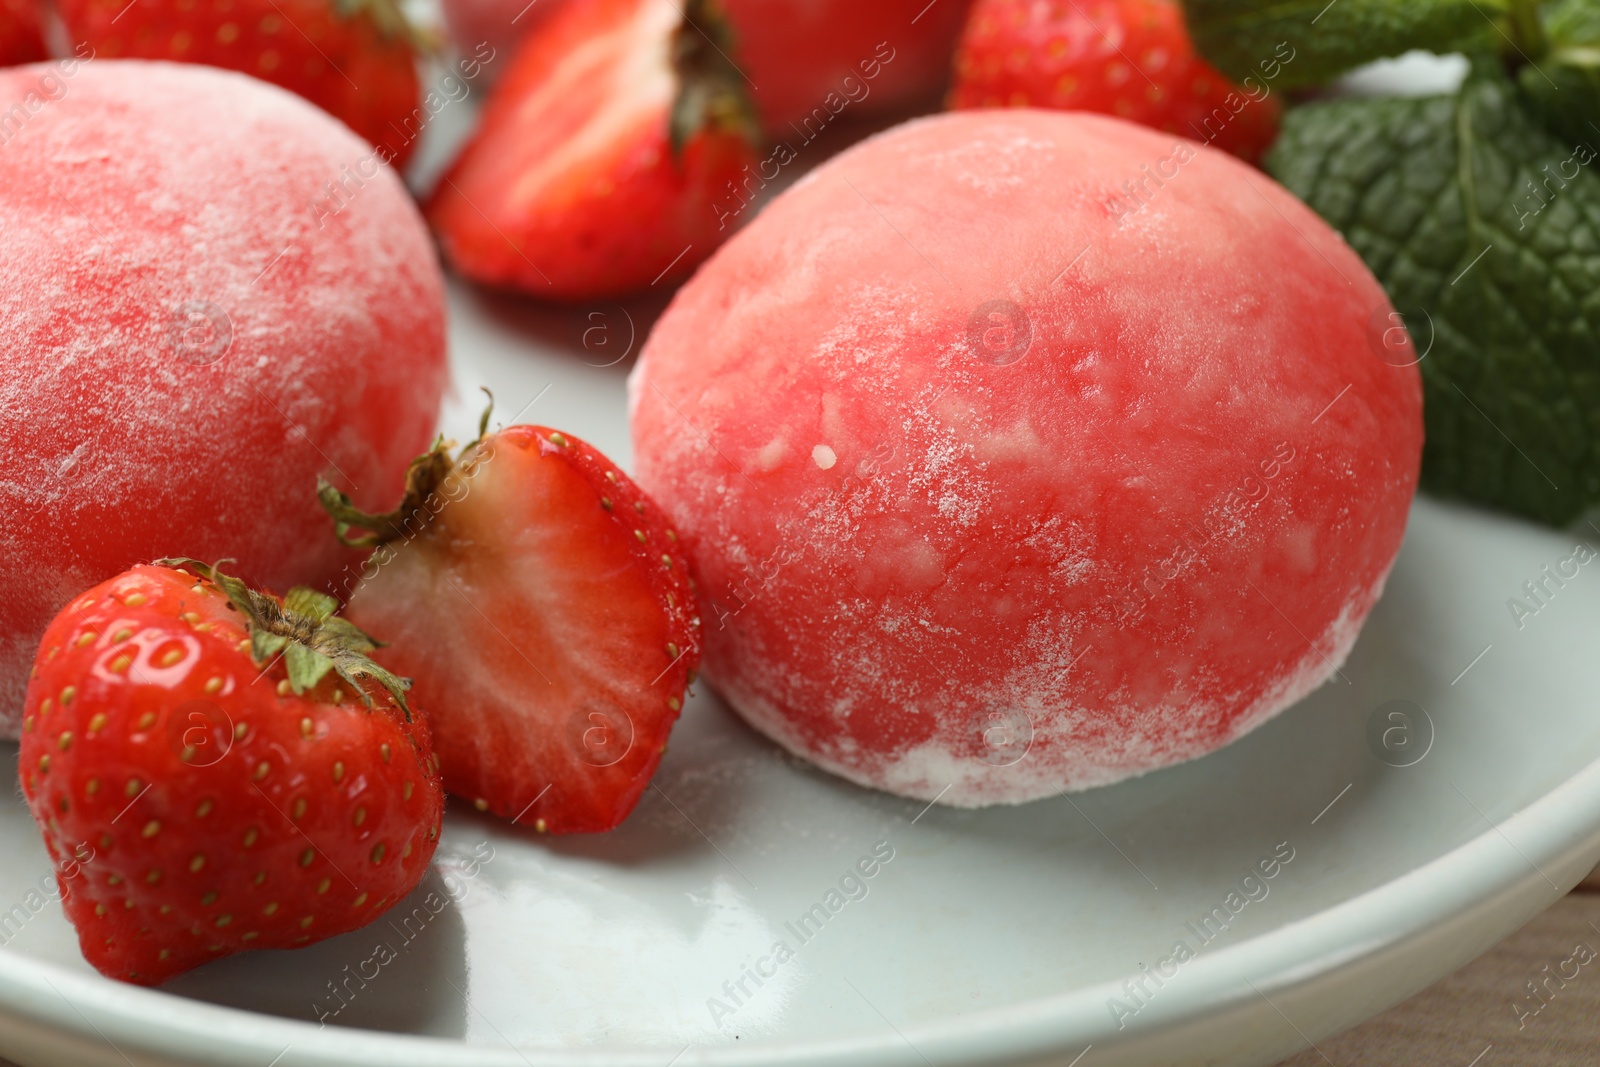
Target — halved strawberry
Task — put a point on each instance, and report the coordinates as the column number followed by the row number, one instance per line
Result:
column 543, row 609
column 604, row 155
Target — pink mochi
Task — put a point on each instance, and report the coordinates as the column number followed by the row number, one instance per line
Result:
column 1022, row 452
column 194, row 325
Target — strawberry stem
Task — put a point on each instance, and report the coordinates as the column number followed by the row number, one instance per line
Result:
column 711, row 93
column 426, row 475
column 423, row 478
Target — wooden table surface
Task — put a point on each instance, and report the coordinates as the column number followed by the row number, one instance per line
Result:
column 1483, row 1015
column 1471, row 1019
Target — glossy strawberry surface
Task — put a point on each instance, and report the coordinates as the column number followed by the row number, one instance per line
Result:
column 195, row 805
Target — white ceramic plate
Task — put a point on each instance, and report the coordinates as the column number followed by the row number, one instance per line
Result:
column 990, row 936
column 997, row 936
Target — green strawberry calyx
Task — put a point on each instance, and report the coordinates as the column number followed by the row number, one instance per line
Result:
column 432, row 479
column 711, row 93
column 306, row 629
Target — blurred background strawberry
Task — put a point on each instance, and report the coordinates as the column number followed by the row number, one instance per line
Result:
column 792, row 53
column 500, row 24
column 796, row 52
column 356, row 59
column 21, row 36
column 1129, row 58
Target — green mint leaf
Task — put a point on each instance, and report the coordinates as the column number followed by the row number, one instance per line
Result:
column 1485, row 230
column 1571, row 22
column 1326, row 39
column 1562, row 86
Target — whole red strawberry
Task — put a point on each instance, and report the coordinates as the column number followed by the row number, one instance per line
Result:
column 354, row 59
column 544, row 610
column 21, row 35
column 605, row 158
column 217, row 754
column 1129, row 58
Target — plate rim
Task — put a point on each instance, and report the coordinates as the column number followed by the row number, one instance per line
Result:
column 1561, row 829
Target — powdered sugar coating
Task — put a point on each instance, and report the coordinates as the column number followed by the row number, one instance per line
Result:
column 1025, row 573
column 192, row 329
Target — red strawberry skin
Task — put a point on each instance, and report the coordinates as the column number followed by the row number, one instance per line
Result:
column 571, row 189
column 21, row 35
column 1128, row 58
column 210, row 810
column 545, row 616
column 345, row 64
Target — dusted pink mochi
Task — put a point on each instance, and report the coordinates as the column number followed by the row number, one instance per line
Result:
column 210, row 293
column 1024, row 451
